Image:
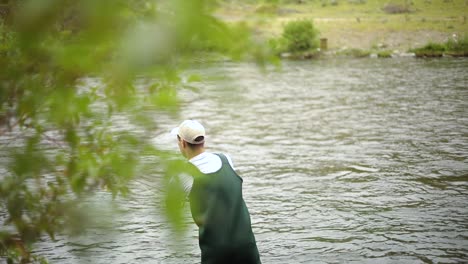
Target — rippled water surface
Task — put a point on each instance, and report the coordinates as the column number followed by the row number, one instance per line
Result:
column 344, row 161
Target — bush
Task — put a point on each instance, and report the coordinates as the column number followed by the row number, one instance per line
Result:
column 458, row 45
column 430, row 50
column 299, row 36
column 432, row 47
column 453, row 47
column 384, row 54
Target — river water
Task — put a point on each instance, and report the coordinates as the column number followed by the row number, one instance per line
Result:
column 343, row 160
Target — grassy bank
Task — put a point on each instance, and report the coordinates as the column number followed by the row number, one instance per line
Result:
column 453, row 47
column 360, row 24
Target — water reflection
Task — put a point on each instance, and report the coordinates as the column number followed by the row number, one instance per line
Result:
column 343, row 160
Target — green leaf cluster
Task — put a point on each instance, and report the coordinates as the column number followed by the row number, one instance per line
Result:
column 82, row 84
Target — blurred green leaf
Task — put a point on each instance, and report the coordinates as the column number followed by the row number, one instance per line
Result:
column 71, row 100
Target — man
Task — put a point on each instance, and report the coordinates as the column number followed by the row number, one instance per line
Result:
column 216, row 202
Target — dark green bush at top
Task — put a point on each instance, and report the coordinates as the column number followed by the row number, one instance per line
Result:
column 300, row 36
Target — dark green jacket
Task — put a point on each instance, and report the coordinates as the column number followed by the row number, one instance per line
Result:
column 219, row 210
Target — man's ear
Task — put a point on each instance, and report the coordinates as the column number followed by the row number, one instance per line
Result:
column 184, row 144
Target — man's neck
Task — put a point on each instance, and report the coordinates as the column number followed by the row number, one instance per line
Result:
column 195, row 153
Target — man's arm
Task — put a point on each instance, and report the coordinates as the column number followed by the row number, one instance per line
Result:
column 198, row 206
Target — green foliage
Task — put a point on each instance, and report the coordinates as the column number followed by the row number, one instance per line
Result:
column 299, row 36
column 453, row 47
column 430, row 50
column 435, row 47
column 176, row 195
column 458, row 45
column 73, row 118
column 277, row 45
column 384, row 54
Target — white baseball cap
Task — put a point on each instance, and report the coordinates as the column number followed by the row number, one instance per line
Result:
column 191, row 131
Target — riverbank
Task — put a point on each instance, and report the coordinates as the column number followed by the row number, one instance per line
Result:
column 362, row 25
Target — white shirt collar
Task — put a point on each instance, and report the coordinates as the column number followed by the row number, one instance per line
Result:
column 208, row 162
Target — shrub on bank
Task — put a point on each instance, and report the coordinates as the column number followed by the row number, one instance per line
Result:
column 298, row 36
column 453, row 47
column 299, row 39
column 384, row 54
column 458, row 47
column 430, row 50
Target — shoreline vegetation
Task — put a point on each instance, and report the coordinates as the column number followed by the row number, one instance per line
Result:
column 358, row 28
